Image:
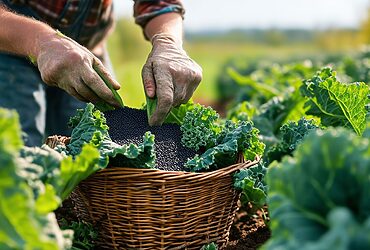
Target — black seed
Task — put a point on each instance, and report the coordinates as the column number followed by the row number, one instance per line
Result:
column 128, row 125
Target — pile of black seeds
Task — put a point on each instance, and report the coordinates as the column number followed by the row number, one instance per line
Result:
column 128, row 125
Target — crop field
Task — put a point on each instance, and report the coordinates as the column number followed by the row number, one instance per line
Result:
column 210, row 56
column 272, row 152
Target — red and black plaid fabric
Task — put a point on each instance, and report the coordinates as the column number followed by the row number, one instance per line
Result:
column 145, row 10
column 61, row 14
column 64, row 11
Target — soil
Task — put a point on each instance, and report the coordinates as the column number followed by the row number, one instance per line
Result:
column 249, row 233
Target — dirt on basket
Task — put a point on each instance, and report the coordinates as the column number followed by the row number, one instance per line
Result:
column 248, row 233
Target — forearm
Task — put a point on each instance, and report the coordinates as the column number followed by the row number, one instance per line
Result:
column 22, row 35
column 169, row 23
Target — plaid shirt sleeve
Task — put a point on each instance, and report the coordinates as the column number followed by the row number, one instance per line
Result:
column 145, row 10
column 65, row 14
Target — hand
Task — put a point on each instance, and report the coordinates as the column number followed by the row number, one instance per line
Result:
column 66, row 64
column 170, row 75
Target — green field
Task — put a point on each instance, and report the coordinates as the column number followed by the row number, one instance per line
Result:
column 129, row 50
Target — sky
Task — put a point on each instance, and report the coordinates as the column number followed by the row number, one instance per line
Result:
column 203, row 15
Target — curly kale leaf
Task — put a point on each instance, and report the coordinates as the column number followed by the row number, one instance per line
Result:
column 214, row 158
column 246, row 136
column 222, row 141
column 131, row 155
column 251, row 182
column 321, row 195
column 292, row 133
column 336, row 103
column 89, row 127
column 199, row 128
column 233, row 139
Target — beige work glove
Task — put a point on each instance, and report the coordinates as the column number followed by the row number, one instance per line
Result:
column 66, row 64
column 170, row 75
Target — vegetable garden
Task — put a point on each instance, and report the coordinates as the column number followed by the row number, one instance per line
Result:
column 307, row 123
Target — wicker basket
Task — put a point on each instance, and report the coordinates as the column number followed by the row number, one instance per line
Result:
column 154, row 209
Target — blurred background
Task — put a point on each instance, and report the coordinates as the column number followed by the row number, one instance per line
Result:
column 242, row 35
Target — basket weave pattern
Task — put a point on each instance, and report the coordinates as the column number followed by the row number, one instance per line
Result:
column 154, row 209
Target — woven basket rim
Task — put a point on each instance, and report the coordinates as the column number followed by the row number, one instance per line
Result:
column 241, row 164
column 150, row 172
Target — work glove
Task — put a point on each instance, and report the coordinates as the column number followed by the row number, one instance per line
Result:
column 66, row 64
column 170, row 75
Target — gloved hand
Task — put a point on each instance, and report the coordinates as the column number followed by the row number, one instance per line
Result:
column 170, row 75
column 66, row 64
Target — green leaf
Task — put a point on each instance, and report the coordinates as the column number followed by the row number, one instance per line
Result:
column 291, row 134
column 109, row 85
column 85, row 235
column 24, row 223
column 329, row 170
column 258, row 83
column 277, row 111
column 199, row 128
column 11, row 140
column 131, row 155
column 214, row 158
column 233, row 139
column 242, row 112
column 177, row 114
column 210, row 246
column 47, row 201
column 151, row 105
column 103, row 106
column 251, row 182
column 86, row 125
column 89, row 127
column 266, row 89
column 336, row 103
column 73, row 171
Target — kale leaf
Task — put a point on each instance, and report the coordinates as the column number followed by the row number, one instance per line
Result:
column 336, row 103
column 320, row 197
column 291, row 133
column 199, row 128
column 89, row 127
column 251, row 182
column 222, row 142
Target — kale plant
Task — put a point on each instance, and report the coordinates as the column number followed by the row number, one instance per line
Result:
column 320, row 197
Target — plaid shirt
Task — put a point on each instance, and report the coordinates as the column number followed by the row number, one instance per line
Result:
column 62, row 14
